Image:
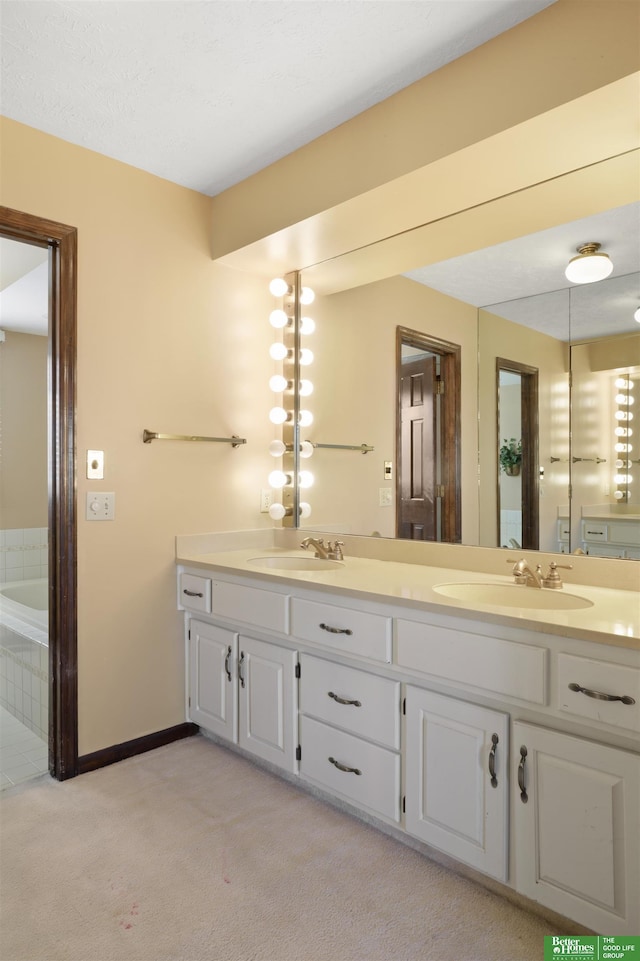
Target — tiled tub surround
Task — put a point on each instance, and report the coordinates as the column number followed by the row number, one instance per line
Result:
column 23, row 554
column 24, row 656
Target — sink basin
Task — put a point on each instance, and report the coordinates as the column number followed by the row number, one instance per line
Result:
column 284, row 563
column 514, row 595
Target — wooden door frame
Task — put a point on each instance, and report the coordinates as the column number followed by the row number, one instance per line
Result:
column 61, row 241
column 451, row 477
column 530, row 463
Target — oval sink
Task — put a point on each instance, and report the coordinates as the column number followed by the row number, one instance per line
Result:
column 514, row 595
column 284, row 563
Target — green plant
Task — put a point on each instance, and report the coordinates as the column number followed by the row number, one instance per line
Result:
column 510, row 454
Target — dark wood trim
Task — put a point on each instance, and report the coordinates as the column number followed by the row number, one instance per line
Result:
column 530, row 472
column 61, row 240
column 139, row 745
column 450, row 355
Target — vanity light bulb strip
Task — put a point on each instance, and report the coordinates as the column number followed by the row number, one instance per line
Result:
column 622, row 432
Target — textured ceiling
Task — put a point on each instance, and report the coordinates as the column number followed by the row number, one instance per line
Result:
column 206, row 93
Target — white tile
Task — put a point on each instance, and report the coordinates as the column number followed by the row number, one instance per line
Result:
column 44, row 555
column 32, row 572
column 32, row 536
column 13, row 575
column 3, row 538
column 14, row 559
column 14, row 538
column 2, row 560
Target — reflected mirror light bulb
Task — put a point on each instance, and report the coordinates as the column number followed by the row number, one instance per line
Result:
column 277, row 512
column 624, row 400
column 623, row 383
column 307, row 325
column 620, row 495
column 279, row 287
column 306, row 449
column 277, row 448
column 278, row 479
column 306, row 356
column 623, row 448
column 278, row 352
column 622, row 464
column 305, row 388
column 278, row 383
column 623, row 432
column 305, row 418
column 278, row 319
column 305, row 509
column 307, row 296
column 278, row 415
column 305, row 479
column 624, row 415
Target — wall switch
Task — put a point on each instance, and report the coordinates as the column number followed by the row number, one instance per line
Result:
column 266, row 500
column 95, row 464
column 388, row 470
column 101, row 506
column 386, row 497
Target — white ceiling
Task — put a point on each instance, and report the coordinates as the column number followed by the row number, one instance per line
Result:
column 206, row 93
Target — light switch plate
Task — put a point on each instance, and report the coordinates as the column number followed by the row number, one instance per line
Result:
column 386, row 498
column 95, row 464
column 101, row 506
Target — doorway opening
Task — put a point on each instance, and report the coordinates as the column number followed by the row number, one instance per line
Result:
column 518, row 475
column 60, row 240
column 427, row 438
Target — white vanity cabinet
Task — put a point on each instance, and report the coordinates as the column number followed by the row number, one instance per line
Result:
column 577, row 827
column 456, row 779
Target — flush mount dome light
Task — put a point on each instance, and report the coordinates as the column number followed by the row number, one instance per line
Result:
column 589, row 266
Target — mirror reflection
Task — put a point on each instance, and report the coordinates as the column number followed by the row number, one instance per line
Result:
column 517, row 355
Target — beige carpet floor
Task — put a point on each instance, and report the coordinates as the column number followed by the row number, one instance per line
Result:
column 190, row 853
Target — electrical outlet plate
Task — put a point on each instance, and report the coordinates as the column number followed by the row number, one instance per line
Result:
column 266, row 500
column 385, row 496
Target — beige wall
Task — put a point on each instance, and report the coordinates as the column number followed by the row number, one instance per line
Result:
column 169, row 341
column 23, row 431
column 354, row 399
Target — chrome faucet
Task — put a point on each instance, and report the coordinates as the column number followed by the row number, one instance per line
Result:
column 331, row 551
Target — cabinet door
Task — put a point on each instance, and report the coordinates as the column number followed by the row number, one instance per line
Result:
column 212, row 681
column 577, row 834
column 268, row 701
column 453, row 801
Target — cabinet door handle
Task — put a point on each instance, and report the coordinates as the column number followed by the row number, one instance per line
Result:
column 492, row 760
column 343, row 767
column 226, row 664
column 625, row 698
column 192, row 593
column 523, row 791
column 343, row 700
column 336, row 630
column 240, row 668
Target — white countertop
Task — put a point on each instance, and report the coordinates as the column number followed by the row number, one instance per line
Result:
column 613, row 619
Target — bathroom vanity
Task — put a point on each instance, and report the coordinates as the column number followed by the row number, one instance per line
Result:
column 451, row 707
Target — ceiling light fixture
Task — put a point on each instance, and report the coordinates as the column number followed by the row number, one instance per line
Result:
column 636, row 316
column 589, row 266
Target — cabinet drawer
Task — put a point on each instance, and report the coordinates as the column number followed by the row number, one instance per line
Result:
column 250, row 605
column 504, row 667
column 195, row 593
column 353, row 632
column 604, row 678
column 376, row 786
column 594, row 531
column 373, row 708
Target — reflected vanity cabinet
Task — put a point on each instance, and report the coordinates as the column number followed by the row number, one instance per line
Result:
column 481, row 740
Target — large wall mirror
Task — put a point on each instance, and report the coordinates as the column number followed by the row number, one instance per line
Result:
column 523, row 333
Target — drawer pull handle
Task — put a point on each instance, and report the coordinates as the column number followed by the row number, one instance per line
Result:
column 240, row 667
column 625, row 698
column 343, row 767
column 492, row 760
column 336, row 630
column 343, row 700
column 226, row 664
column 192, row 593
column 523, row 791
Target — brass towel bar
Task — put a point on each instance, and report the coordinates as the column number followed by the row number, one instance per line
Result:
column 149, row 435
column 362, row 448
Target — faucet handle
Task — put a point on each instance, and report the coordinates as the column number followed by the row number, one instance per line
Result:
column 552, row 579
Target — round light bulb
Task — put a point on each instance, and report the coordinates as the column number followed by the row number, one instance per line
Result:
column 279, row 287
column 305, row 388
column 278, row 383
column 305, row 418
column 622, row 478
column 278, row 351
column 623, row 448
column 306, row 356
column 624, row 399
column 623, row 464
column 306, row 449
column 305, row 479
column 620, row 495
column 307, row 325
column 636, row 315
column 277, row 512
column 623, row 432
column 277, row 448
column 589, row 266
column 623, row 415
column 278, row 479
column 307, row 296
column 305, row 509
column 624, row 383
column 278, row 319
column 278, row 415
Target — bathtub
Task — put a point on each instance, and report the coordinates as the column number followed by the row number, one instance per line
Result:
column 26, row 601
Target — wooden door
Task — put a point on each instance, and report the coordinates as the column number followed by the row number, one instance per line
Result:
column 418, row 458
